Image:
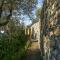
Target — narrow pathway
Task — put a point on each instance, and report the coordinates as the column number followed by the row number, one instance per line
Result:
column 33, row 52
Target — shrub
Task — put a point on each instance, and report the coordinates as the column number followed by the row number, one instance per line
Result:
column 12, row 45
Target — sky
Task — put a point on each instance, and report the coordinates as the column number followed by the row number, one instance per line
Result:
column 26, row 19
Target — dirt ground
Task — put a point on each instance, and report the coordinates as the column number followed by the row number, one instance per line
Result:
column 33, row 52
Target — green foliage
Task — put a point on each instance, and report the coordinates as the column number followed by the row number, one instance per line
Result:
column 38, row 12
column 13, row 41
column 15, row 8
column 12, row 46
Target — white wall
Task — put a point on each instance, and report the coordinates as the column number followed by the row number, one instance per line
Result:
column 36, row 27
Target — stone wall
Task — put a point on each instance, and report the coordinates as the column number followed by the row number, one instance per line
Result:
column 50, row 16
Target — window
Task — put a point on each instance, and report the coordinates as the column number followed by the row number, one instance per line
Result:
column 32, row 33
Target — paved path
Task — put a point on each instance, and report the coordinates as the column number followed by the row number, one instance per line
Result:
column 33, row 52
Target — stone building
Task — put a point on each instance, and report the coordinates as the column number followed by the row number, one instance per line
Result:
column 34, row 32
column 50, row 27
column 35, row 29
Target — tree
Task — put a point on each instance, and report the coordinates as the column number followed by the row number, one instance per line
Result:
column 7, row 8
column 12, row 41
column 38, row 12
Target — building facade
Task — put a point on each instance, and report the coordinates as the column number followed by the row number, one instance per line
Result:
column 35, row 29
column 34, row 32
